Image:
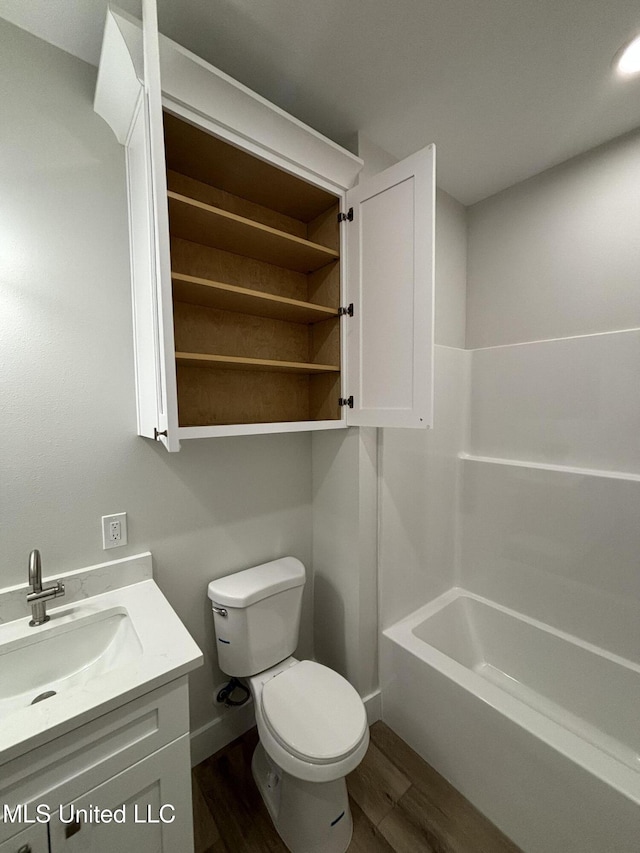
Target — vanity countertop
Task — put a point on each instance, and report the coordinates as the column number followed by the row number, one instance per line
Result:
column 152, row 648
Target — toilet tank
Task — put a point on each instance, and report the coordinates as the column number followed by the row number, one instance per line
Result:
column 256, row 614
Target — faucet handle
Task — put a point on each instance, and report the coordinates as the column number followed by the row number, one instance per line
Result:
column 38, row 596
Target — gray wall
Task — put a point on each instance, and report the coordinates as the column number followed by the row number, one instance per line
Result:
column 69, row 449
column 559, row 254
column 344, row 488
column 451, row 271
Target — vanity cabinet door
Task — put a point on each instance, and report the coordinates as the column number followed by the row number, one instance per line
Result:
column 35, row 839
column 390, row 283
column 159, row 786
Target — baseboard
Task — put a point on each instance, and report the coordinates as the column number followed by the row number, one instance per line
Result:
column 211, row 737
column 373, row 706
column 234, row 722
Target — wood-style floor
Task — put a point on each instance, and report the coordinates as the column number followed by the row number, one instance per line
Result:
column 399, row 803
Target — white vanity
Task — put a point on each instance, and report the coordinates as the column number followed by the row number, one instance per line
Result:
column 113, row 739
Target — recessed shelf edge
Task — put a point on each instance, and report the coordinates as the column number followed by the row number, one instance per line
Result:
column 232, row 297
column 225, row 362
column 549, row 466
column 203, row 223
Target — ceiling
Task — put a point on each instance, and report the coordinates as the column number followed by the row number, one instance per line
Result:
column 505, row 88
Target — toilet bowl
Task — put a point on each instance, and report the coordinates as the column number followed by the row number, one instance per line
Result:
column 313, row 732
column 311, row 722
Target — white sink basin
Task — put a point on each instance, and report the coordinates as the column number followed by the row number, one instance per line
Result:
column 63, row 657
column 96, row 653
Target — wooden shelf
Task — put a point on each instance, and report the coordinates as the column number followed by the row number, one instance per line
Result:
column 235, row 220
column 230, row 297
column 232, row 362
column 202, row 223
column 194, row 152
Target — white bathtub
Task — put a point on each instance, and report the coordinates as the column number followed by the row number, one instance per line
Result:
column 537, row 728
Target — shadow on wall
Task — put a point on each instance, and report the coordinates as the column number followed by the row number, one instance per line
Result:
column 329, row 633
column 236, row 477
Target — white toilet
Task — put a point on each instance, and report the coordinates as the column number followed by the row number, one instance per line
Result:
column 312, row 723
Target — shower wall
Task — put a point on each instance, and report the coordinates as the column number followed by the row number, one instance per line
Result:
column 528, row 489
column 550, row 496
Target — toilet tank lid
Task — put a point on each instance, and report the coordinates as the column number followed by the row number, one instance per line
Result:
column 244, row 588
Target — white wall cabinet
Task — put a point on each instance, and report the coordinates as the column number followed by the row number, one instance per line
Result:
column 270, row 293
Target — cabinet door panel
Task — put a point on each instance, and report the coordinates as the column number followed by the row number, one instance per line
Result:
column 158, row 785
column 35, row 839
column 147, row 347
column 129, row 98
column 88, row 755
column 390, row 281
column 161, row 261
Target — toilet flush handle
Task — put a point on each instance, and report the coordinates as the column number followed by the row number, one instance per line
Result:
column 221, row 611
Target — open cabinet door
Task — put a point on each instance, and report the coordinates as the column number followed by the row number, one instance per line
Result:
column 390, row 281
column 161, row 258
column 128, row 97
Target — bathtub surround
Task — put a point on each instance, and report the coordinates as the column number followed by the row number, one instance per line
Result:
column 556, row 384
column 563, row 410
column 572, row 401
column 561, row 546
column 543, row 504
column 527, row 494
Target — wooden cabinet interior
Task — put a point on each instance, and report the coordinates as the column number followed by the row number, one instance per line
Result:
column 255, row 259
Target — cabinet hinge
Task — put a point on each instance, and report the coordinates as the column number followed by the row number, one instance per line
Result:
column 157, row 434
column 346, row 401
column 348, row 310
column 346, row 217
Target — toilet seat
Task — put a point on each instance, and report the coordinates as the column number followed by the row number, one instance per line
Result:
column 314, row 713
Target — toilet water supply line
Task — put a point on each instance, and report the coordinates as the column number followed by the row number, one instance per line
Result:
column 224, row 694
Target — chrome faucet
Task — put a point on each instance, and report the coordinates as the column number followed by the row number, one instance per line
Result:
column 38, row 597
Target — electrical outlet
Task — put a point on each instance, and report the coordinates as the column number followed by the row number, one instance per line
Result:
column 114, row 530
